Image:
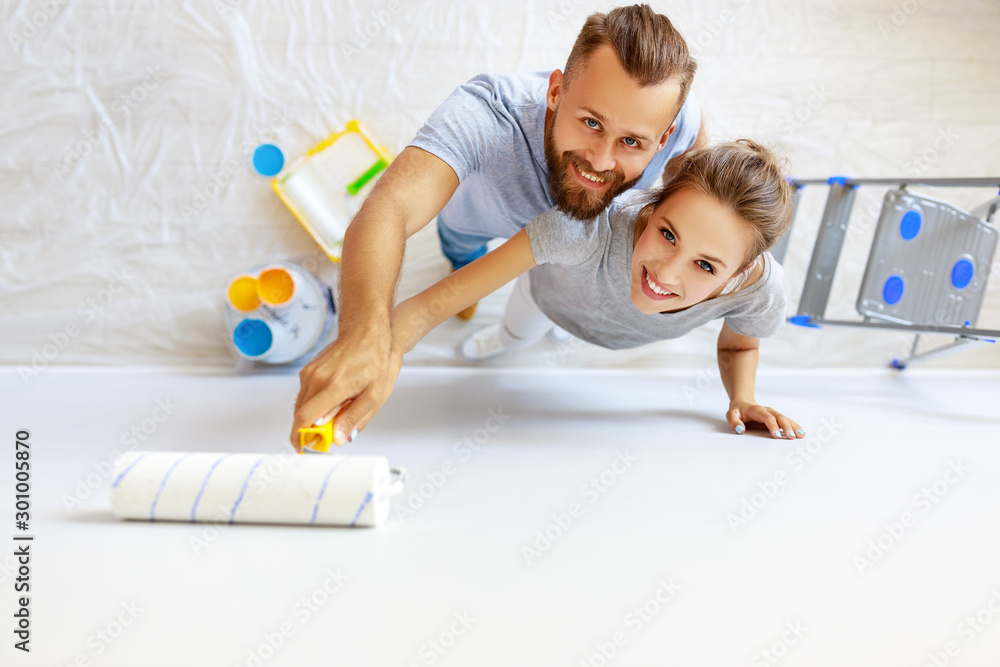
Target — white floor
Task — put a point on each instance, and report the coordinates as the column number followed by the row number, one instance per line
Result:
column 652, row 567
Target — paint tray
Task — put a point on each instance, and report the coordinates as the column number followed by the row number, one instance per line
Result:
column 325, row 187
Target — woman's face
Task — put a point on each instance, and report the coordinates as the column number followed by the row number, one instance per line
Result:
column 690, row 247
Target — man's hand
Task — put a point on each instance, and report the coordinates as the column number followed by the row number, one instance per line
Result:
column 352, row 378
column 349, row 380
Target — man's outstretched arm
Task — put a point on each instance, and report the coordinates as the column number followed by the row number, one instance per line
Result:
column 356, row 368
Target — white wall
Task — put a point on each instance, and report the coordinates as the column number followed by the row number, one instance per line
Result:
column 880, row 88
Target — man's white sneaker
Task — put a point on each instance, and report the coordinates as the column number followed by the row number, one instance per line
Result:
column 559, row 335
column 482, row 344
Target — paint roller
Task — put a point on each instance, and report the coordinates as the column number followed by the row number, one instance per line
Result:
column 285, row 488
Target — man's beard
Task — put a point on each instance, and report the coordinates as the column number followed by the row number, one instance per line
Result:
column 572, row 198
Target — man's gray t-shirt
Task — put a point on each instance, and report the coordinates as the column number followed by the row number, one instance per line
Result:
column 491, row 131
column 583, row 283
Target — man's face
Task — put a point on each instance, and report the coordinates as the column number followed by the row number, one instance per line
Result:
column 602, row 131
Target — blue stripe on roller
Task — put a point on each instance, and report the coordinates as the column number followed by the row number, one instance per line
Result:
column 232, row 513
column 126, row 471
column 163, row 483
column 204, row 483
column 364, row 503
column 322, row 489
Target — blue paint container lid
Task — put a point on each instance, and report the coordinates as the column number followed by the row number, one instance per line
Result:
column 253, row 337
column 268, row 160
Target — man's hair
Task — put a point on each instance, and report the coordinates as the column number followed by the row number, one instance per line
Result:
column 742, row 175
column 648, row 47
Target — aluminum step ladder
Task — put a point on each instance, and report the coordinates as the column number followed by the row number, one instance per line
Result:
column 927, row 269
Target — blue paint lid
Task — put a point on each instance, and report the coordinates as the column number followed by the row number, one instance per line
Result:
column 268, row 160
column 253, row 337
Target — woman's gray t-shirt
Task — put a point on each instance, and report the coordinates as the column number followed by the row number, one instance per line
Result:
column 583, row 284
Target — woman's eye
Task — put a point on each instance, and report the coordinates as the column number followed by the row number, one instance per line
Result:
column 667, row 234
column 592, row 124
column 706, row 266
column 629, row 141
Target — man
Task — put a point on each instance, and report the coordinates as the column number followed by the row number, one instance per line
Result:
column 501, row 150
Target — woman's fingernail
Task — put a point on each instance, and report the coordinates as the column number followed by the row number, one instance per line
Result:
column 800, row 431
column 354, row 434
column 339, row 436
column 740, row 429
column 778, row 434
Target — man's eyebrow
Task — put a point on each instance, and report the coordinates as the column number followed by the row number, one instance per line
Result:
column 601, row 117
column 673, row 230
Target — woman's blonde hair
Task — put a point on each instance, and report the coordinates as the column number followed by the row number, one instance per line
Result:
column 742, row 175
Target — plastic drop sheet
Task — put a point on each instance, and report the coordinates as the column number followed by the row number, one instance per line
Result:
column 127, row 200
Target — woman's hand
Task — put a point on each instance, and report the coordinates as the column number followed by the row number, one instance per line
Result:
column 743, row 414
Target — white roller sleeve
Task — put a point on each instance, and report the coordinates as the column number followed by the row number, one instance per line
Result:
column 321, row 200
column 328, row 489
